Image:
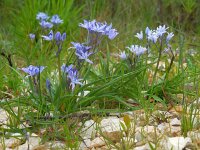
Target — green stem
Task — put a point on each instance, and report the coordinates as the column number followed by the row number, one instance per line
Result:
column 41, row 45
column 155, row 73
column 170, row 66
column 59, row 69
column 157, row 65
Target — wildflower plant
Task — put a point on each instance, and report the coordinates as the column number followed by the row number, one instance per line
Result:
column 155, row 45
column 62, row 89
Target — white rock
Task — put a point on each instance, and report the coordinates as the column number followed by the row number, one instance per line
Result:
column 57, row 145
column 170, row 130
column 41, row 147
column 3, row 117
column 162, row 127
column 138, row 136
column 111, row 128
column 148, row 147
column 174, row 130
column 33, row 141
column 147, row 129
column 146, row 133
column 12, row 142
column 89, row 129
column 97, row 142
column 129, row 113
column 111, row 124
column 128, row 140
column 175, row 122
column 194, row 135
column 140, row 148
column 196, row 120
column 85, row 144
column 88, row 123
column 144, row 147
column 177, row 143
column 114, row 136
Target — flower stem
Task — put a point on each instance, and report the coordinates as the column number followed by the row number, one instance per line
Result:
column 59, row 69
column 157, row 65
column 170, row 65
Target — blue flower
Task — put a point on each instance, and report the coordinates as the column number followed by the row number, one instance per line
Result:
column 84, row 55
column 152, row 36
column 66, row 68
column 107, row 30
column 80, row 47
column 123, row 55
column 59, row 38
column 32, row 36
column 147, row 30
column 112, row 33
column 42, row 16
column 161, row 30
column 99, row 28
column 46, row 25
column 139, row 35
column 137, row 50
column 33, row 70
column 73, row 76
column 49, row 37
column 169, row 36
column 82, row 51
column 92, row 26
column 56, row 20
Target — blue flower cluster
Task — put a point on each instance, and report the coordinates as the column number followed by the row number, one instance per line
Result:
column 99, row 28
column 151, row 36
column 58, row 37
column 72, row 75
column 33, row 70
column 82, row 50
column 137, row 50
column 154, row 35
column 43, row 18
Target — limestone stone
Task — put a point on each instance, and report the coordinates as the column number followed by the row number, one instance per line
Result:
column 177, row 143
column 3, row 117
column 13, row 143
column 111, row 124
column 33, row 142
column 114, row 136
column 175, row 122
column 97, row 142
column 85, row 144
column 57, row 145
column 89, row 130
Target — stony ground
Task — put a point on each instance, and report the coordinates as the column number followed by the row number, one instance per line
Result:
column 162, row 130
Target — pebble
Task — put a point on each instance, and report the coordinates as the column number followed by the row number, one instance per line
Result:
column 97, row 142
column 89, row 130
column 177, row 143
column 175, row 122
